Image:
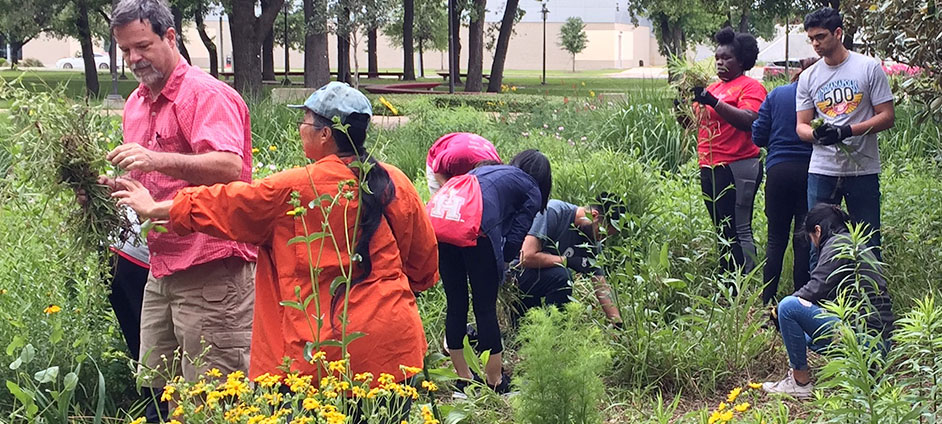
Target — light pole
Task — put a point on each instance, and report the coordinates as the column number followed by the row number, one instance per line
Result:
column 222, row 46
column 287, row 51
column 452, row 61
column 544, row 11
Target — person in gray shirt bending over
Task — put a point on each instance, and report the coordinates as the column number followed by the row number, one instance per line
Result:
column 567, row 237
column 849, row 92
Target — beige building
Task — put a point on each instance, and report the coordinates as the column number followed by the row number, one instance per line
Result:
column 613, row 43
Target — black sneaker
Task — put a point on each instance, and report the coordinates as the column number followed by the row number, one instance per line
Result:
column 461, row 384
column 503, row 387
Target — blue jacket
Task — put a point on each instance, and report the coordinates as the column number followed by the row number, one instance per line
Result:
column 774, row 129
column 511, row 200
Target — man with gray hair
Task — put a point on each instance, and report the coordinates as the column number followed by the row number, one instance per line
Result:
column 182, row 128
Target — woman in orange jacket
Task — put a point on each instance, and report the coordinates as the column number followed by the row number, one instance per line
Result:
column 397, row 248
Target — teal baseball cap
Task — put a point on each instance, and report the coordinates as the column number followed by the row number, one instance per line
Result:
column 337, row 99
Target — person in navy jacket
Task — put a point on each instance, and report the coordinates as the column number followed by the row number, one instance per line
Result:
column 786, row 188
column 512, row 195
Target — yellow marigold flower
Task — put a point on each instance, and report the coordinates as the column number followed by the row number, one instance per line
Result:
column 714, row 417
column 310, row 404
column 273, row 398
column 386, row 379
column 267, row 380
column 168, row 393
column 755, row 385
column 428, row 385
column 733, row 394
column 52, row 309
column 178, row 411
column 272, row 148
column 214, row 372
column 410, row 370
column 338, row 366
column 726, row 416
column 318, row 356
column 298, row 383
column 364, row 376
column 359, row 392
column 742, row 407
column 376, row 391
column 255, row 150
column 721, row 407
column 336, row 418
column 139, row 420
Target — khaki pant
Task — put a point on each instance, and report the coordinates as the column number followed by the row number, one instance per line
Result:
column 208, row 306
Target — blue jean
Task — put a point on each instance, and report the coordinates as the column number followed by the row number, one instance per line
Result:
column 803, row 327
column 860, row 193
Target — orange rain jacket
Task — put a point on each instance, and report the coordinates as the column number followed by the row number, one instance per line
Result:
column 403, row 249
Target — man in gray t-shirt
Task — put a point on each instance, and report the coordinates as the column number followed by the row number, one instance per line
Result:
column 563, row 238
column 849, row 92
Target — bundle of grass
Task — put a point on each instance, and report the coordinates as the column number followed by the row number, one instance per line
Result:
column 56, row 148
column 684, row 75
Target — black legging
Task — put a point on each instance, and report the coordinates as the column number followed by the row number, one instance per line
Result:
column 720, row 197
column 458, row 266
column 786, row 204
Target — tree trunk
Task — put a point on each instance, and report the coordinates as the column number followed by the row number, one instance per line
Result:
column 178, row 27
column 208, row 42
column 15, row 47
column 849, row 32
column 247, row 31
column 88, row 52
column 503, row 43
column 421, row 60
column 573, row 63
column 456, row 35
column 268, row 49
column 316, row 63
column 371, row 56
column 473, row 82
column 744, row 20
column 343, row 58
column 408, row 54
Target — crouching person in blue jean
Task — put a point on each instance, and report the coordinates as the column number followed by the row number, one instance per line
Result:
column 803, row 322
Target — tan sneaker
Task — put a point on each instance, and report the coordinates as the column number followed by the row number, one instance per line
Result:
column 788, row 386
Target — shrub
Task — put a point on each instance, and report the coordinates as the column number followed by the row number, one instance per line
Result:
column 30, row 62
column 561, row 362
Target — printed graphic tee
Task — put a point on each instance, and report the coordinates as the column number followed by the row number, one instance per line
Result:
column 844, row 95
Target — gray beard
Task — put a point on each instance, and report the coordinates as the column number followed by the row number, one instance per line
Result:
column 150, row 78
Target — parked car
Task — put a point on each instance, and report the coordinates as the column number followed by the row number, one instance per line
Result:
column 102, row 61
column 776, row 69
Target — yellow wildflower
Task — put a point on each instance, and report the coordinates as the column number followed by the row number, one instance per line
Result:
column 267, row 380
column 721, row 407
column 272, row 148
column 198, row 409
column 213, row 398
column 139, row 420
column 513, row 88
column 214, row 372
column 302, row 420
column 386, row 379
column 742, row 407
column 726, row 416
column 430, row 386
column 872, row 8
column 427, row 416
column 388, row 105
column 310, row 404
column 364, row 376
column 298, row 383
column 273, row 398
column 733, row 394
column 336, row 418
column 583, row 83
column 168, row 393
column 755, row 385
column 52, row 309
column 337, row 366
column 318, row 356
column 591, row 93
column 410, row 370
column 359, row 392
column 255, row 150
column 178, row 411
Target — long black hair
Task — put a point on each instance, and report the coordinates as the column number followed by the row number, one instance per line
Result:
column 375, row 193
column 831, row 218
column 536, row 165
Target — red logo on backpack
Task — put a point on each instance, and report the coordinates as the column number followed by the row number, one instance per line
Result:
column 455, row 211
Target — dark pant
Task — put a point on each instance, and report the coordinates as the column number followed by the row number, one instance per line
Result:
column 476, row 265
column 860, row 193
column 720, row 198
column 127, row 295
column 785, row 207
column 552, row 284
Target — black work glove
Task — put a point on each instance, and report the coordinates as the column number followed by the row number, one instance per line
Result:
column 704, row 97
column 829, row 134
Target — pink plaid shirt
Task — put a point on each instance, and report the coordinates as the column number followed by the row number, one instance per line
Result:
column 194, row 113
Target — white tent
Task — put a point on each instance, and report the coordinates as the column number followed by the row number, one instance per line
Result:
column 798, row 46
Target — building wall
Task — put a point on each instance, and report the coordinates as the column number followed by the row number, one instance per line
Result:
column 610, row 46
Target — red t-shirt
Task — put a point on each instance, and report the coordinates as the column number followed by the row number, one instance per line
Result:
column 718, row 142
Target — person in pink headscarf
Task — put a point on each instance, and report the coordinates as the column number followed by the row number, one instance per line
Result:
column 456, row 154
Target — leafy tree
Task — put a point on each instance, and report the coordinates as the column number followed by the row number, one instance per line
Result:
column 316, row 65
column 676, row 23
column 247, row 32
column 476, row 13
column 572, row 38
column 376, row 14
column 430, row 32
column 21, row 21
